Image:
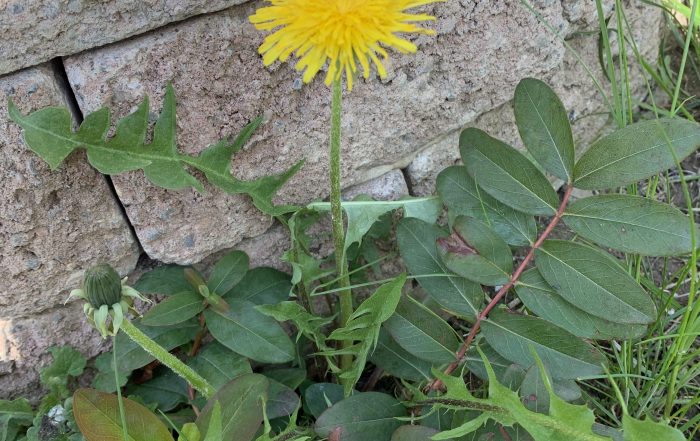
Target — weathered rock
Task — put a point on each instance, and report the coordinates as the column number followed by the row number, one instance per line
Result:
column 470, row 68
column 53, row 225
column 24, row 344
column 35, row 31
column 587, row 109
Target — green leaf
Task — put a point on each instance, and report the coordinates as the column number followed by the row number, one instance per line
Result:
column 462, row 196
column 564, row 354
column 595, row 282
column 167, row 279
column 104, row 378
column 97, row 416
column 48, row 132
column 647, row 430
column 228, row 271
column 361, row 417
column 636, row 152
column 422, row 333
column 417, row 245
column 241, row 403
column 396, row 361
column 544, row 127
column 219, row 365
column 363, row 327
column 534, row 394
column 475, row 252
column 215, row 429
column 262, row 286
column 544, row 301
column 248, row 332
column 362, row 214
column 507, row 373
column 167, row 390
column 281, row 402
column 320, row 396
column 413, row 433
column 309, row 325
column 507, row 174
column 173, row 310
column 67, row 362
column 13, row 416
column 130, row 356
column 632, row 224
column 290, row 377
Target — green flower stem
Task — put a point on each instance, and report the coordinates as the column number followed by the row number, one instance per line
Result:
column 341, row 263
column 168, row 359
column 122, row 414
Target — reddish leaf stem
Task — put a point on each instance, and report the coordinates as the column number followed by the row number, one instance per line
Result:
column 436, row 384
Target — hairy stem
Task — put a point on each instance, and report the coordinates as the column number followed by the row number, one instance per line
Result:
column 341, row 263
column 168, row 359
column 436, row 384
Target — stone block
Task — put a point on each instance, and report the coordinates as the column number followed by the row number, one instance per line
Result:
column 469, row 68
column 35, row 31
column 53, row 225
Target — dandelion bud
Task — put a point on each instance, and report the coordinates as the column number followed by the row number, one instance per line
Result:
column 102, row 286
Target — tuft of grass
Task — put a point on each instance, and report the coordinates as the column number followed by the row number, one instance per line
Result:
column 658, row 376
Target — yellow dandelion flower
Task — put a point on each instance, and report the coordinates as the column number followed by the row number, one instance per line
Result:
column 342, row 33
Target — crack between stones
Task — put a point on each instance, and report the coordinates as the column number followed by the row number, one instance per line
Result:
column 61, row 77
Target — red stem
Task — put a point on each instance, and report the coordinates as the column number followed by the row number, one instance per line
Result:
column 436, row 384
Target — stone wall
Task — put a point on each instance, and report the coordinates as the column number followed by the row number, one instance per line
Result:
column 398, row 133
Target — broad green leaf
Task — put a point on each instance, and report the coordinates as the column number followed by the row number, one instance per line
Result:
column 636, row 152
column 422, row 333
column 104, row 380
column 413, row 433
column 361, row 417
column 248, row 332
column 417, row 245
column 167, row 390
column 362, row 214
column 67, row 362
column 595, row 282
column 535, row 396
column 167, row 279
column 396, row 361
column 290, row 377
column 503, row 368
column 363, row 327
column 507, row 174
column 219, row 365
column 262, row 286
column 13, row 416
column 475, row 252
column 215, row 431
column 647, row 430
column 320, row 396
column 462, row 196
column 241, row 402
column 175, row 309
column 131, row 356
column 49, row 133
column 97, row 416
column 544, row 301
column 309, row 325
column 228, row 271
column 632, row 224
column 564, row 354
column 282, row 400
column 544, row 127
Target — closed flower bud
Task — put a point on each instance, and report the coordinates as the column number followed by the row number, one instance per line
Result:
column 102, row 286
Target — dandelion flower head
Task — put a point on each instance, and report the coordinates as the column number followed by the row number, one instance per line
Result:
column 344, row 34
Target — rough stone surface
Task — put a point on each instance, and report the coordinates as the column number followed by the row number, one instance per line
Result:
column 468, row 69
column 35, row 31
column 53, row 225
column 25, row 341
column 587, row 110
